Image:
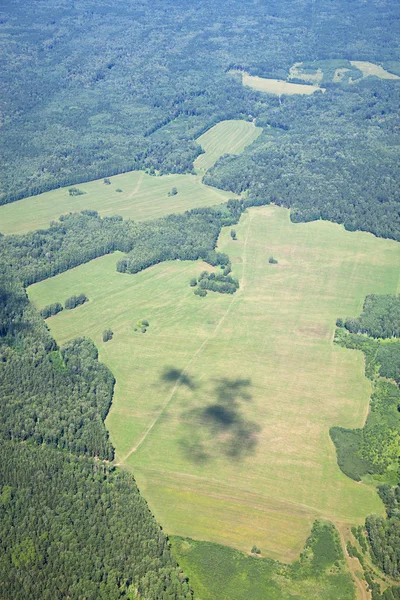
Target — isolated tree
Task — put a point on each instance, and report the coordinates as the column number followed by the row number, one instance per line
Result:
column 193, row 282
column 107, row 335
column 233, row 234
column 107, row 181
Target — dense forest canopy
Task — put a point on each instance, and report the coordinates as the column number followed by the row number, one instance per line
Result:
column 91, row 89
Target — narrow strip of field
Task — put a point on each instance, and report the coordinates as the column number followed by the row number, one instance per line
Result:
column 278, row 87
column 141, row 197
column 222, row 409
column 227, row 137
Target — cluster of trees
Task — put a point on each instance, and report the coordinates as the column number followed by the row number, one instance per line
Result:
column 71, row 527
column 375, row 447
column 384, row 535
column 107, row 335
column 329, row 155
column 51, row 310
column 380, row 317
column 74, row 301
column 74, row 191
column 52, row 397
column 70, row 524
column 215, row 282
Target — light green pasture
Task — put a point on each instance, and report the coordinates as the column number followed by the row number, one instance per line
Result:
column 143, row 197
column 222, row 409
column 227, row 137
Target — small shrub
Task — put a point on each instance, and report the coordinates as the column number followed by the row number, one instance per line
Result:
column 142, row 323
column 173, row 192
column 255, row 550
column 107, row 335
column 200, row 292
column 119, row 190
column 74, row 191
column 272, row 260
column 233, row 234
column 193, row 282
column 107, row 181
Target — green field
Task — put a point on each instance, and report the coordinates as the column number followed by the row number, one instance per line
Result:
column 227, row 137
column 143, row 197
column 278, row 86
column 217, row 571
column 222, row 409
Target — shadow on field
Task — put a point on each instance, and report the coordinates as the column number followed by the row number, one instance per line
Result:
column 221, row 428
column 172, row 375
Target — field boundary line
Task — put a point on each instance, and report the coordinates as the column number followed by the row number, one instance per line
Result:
column 193, row 358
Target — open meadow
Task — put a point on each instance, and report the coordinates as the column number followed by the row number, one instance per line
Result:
column 227, row 137
column 278, row 86
column 136, row 195
column 222, row 408
column 142, row 197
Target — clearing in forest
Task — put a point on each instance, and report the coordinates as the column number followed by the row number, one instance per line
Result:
column 222, row 408
column 227, row 137
column 141, row 197
column 368, row 68
column 278, row 87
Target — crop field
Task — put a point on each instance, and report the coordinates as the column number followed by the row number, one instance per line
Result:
column 227, row 137
column 222, row 408
column 278, row 86
column 142, row 197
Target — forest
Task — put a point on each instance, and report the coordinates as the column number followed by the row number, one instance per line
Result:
column 57, row 400
column 115, row 87
column 70, row 523
column 375, row 449
column 90, row 90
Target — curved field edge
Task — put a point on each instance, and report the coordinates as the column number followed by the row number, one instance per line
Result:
column 268, row 349
column 142, row 197
column 226, row 137
column 216, row 571
column 136, row 195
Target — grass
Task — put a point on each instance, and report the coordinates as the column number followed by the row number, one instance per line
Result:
column 227, row 401
column 217, row 571
column 278, row 86
column 227, row 137
column 368, row 68
column 143, row 197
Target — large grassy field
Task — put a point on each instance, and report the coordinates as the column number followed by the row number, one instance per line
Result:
column 142, row 196
column 222, row 409
column 227, row 137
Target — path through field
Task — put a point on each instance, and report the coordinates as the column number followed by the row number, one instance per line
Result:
column 222, row 409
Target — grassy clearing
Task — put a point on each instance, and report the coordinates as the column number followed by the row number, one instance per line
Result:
column 143, row 197
column 227, row 137
column 217, row 571
column 278, row 86
column 368, row 68
column 298, row 71
column 228, row 401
